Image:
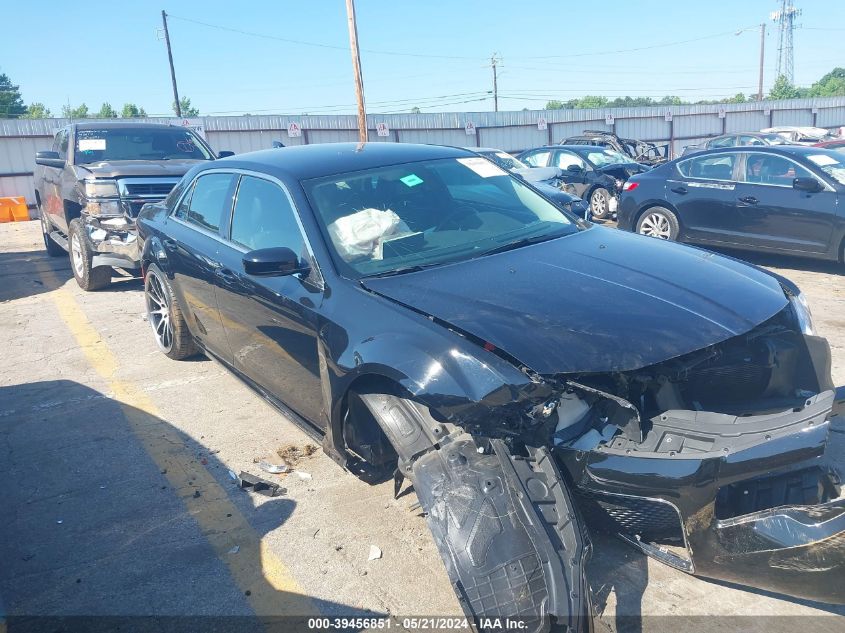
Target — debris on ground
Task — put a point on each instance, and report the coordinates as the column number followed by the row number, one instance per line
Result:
column 292, row 454
column 251, row 483
column 304, row 476
column 273, row 469
column 235, row 549
column 375, row 553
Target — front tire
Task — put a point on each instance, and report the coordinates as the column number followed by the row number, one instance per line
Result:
column 166, row 318
column 659, row 222
column 81, row 259
column 600, row 203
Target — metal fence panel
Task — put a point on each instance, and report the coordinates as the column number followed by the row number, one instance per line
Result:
column 752, row 121
column 792, row 117
column 510, row 138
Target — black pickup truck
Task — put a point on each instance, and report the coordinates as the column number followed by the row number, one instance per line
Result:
column 93, row 182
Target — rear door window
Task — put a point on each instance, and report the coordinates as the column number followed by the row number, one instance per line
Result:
column 750, row 140
column 723, row 141
column 264, row 217
column 210, row 200
column 715, row 167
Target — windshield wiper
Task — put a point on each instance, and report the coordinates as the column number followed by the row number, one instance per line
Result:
column 399, row 271
column 525, row 241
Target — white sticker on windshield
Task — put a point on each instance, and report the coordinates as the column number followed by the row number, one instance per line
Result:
column 89, row 144
column 482, row 167
column 823, row 159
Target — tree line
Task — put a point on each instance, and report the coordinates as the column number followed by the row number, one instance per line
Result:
column 830, row 85
column 12, row 107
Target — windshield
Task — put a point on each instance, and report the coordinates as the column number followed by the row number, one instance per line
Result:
column 93, row 146
column 830, row 163
column 774, row 139
column 603, row 157
column 389, row 219
column 505, row 160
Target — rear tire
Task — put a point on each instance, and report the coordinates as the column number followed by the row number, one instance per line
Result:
column 81, row 259
column 600, row 203
column 53, row 249
column 166, row 318
column 659, row 222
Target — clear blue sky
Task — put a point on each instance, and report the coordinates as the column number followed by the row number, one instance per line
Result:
column 96, row 51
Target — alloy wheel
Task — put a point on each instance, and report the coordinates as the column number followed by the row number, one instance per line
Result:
column 656, row 225
column 76, row 255
column 158, row 311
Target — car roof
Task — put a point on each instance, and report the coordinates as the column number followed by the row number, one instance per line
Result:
column 799, row 150
column 484, row 149
column 303, row 162
column 107, row 125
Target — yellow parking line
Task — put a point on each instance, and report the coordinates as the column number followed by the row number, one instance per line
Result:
column 258, row 572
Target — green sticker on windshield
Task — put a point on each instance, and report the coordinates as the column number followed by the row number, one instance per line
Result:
column 412, row 180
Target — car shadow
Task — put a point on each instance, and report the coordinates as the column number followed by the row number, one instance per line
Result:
column 787, row 262
column 113, row 519
column 29, row 273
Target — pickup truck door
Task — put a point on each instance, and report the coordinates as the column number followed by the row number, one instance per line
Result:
column 52, row 198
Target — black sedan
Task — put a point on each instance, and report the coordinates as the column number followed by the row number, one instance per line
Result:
column 750, row 139
column 592, row 173
column 786, row 199
column 430, row 316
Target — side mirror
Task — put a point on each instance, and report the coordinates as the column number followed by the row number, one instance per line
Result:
column 225, row 153
column 49, row 159
column 810, row 185
column 277, row 144
column 279, row 261
column 575, row 169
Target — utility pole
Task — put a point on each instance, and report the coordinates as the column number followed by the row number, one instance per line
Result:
column 762, row 57
column 170, row 59
column 356, row 68
column 493, row 62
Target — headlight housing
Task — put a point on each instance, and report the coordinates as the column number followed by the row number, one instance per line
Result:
column 100, row 188
column 803, row 316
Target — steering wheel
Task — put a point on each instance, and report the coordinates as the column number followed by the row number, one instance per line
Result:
column 461, row 209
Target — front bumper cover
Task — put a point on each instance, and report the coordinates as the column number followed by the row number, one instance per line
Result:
column 113, row 245
column 675, row 506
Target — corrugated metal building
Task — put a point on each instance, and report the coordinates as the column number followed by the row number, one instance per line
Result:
column 510, row 131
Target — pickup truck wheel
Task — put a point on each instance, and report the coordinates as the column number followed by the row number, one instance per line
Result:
column 53, row 249
column 600, row 203
column 81, row 258
column 166, row 318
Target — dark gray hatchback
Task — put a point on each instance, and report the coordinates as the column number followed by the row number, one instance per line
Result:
column 786, row 199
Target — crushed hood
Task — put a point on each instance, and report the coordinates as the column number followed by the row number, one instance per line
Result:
column 623, row 172
column 119, row 168
column 595, row 301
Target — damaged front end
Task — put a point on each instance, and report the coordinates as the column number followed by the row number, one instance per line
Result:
column 718, row 462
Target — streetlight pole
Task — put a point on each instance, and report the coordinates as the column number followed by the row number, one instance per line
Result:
column 170, row 59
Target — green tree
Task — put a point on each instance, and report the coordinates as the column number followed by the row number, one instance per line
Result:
column 79, row 112
column 555, row 105
column 131, row 111
column 670, row 100
column 37, row 111
column 591, row 101
column 831, row 85
column 783, row 89
column 187, row 109
column 11, row 103
column 415, row 110
column 107, row 112
column 739, row 97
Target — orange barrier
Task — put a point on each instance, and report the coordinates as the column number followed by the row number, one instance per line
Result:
column 13, row 209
